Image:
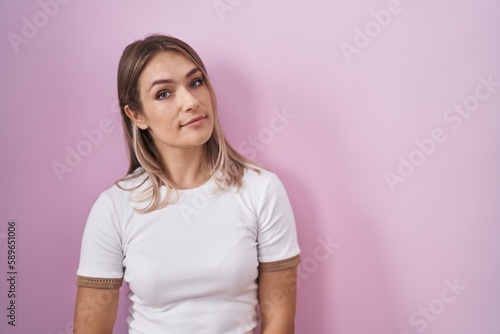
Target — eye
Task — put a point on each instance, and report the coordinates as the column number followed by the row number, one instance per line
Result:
column 196, row 82
column 163, row 95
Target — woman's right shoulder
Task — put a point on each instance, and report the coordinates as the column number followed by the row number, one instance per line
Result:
column 115, row 203
column 126, row 188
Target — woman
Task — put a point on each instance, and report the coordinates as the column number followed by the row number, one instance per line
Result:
column 200, row 234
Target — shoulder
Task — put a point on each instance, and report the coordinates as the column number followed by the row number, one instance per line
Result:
column 262, row 184
column 258, row 177
column 121, row 193
column 256, row 174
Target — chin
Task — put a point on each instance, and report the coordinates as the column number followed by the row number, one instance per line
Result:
column 202, row 140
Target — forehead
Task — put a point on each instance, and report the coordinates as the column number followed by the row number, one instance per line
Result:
column 166, row 65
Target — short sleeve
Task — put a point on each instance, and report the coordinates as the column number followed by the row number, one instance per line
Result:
column 278, row 247
column 101, row 256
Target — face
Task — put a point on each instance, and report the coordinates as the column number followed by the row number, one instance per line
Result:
column 176, row 103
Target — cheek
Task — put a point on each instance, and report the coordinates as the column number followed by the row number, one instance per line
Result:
column 164, row 120
column 164, row 128
column 206, row 97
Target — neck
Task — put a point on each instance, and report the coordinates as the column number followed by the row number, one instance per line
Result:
column 183, row 166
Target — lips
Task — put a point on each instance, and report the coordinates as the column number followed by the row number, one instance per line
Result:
column 192, row 120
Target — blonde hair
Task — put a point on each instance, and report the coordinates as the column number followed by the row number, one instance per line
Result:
column 220, row 160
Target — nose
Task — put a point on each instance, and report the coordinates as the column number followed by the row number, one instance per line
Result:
column 187, row 100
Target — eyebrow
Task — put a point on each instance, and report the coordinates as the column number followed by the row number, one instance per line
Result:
column 164, row 81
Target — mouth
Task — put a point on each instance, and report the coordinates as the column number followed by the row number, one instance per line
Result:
column 194, row 121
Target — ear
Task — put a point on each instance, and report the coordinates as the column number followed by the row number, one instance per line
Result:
column 137, row 117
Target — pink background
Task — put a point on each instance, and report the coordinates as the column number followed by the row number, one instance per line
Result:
column 353, row 118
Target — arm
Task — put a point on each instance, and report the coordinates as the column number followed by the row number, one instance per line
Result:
column 95, row 310
column 277, row 296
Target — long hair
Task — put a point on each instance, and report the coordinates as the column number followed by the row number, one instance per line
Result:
column 220, row 160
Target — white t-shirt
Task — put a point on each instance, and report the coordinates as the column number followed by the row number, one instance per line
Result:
column 192, row 266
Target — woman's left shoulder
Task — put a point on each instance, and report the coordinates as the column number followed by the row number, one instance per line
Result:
column 256, row 173
column 259, row 178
